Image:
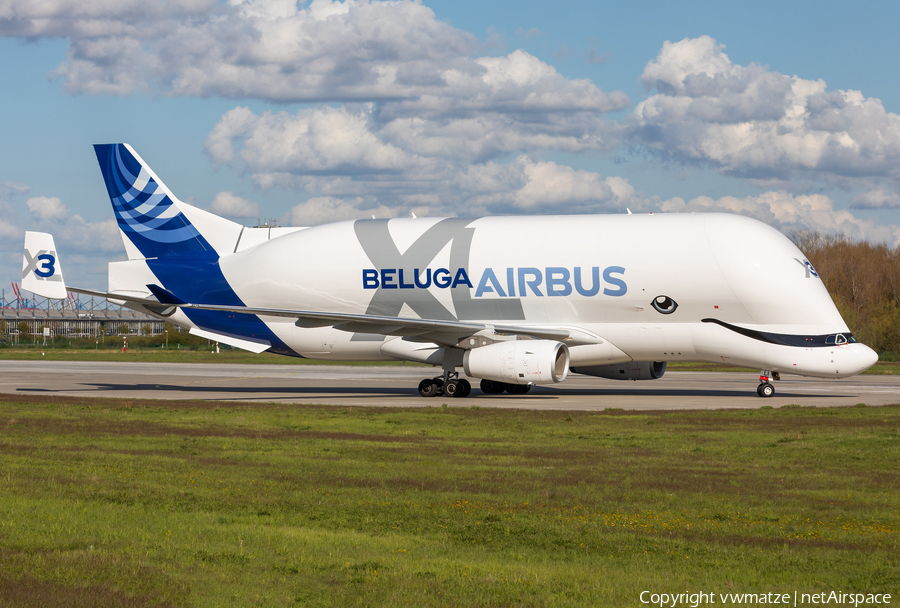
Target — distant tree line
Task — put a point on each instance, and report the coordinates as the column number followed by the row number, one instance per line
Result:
column 864, row 281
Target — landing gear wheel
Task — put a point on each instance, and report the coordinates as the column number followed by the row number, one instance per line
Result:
column 428, row 388
column 452, row 388
column 457, row 388
column 518, row 389
column 490, row 387
column 463, row 388
column 765, row 390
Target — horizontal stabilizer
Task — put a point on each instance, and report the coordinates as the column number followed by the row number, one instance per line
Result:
column 164, row 296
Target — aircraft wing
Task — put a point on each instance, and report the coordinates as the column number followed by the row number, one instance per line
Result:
column 444, row 332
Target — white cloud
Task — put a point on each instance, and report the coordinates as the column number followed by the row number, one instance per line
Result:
column 325, row 209
column 750, row 121
column 352, row 166
column 73, row 231
column 439, row 152
column 429, row 124
column 9, row 189
column 522, row 82
column 82, row 236
column 228, row 203
column 521, row 186
column 8, row 231
column 78, row 19
column 528, row 186
column 787, row 212
column 312, row 140
column 876, row 199
column 86, row 246
column 48, row 208
column 356, row 151
column 280, row 51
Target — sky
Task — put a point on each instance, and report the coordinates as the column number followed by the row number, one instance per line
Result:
column 310, row 112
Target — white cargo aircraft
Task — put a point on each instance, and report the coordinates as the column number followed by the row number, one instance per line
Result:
column 513, row 301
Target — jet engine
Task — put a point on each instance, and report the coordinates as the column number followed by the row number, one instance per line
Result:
column 519, row 362
column 633, row 370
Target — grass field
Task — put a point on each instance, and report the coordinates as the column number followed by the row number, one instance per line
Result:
column 167, row 503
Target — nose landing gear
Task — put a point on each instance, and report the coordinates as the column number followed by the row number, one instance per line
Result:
column 765, row 389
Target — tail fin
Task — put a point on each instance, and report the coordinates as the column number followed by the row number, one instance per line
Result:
column 153, row 222
column 41, row 270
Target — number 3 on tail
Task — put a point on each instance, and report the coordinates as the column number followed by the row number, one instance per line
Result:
column 47, row 267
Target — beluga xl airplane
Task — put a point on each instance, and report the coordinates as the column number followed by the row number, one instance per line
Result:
column 510, row 301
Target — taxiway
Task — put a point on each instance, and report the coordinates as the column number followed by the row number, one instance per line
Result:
column 395, row 386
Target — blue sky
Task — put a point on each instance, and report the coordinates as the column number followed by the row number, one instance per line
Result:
column 308, row 113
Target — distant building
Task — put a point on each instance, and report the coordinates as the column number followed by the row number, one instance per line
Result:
column 76, row 317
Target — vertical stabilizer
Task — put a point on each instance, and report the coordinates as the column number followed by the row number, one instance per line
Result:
column 41, row 270
column 153, row 222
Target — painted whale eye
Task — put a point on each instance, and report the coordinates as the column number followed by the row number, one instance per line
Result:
column 664, row 305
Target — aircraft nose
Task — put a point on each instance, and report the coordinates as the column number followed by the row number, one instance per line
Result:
column 866, row 357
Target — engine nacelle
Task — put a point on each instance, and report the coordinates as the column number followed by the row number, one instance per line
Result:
column 519, row 362
column 633, row 370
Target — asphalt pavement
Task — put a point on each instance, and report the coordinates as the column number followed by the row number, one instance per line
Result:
column 396, row 386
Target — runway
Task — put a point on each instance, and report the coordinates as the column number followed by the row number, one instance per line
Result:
column 396, row 387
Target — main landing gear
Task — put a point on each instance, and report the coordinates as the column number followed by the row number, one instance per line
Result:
column 765, row 389
column 449, row 383
column 491, row 387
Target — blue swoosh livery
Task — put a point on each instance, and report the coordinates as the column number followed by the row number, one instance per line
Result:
column 145, row 212
column 176, row 252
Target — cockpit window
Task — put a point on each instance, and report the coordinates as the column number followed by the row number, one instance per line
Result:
column 838, row 339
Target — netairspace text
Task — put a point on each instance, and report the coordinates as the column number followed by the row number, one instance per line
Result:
column 839, row 598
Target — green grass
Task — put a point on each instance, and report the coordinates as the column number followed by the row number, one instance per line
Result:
column 181, row 503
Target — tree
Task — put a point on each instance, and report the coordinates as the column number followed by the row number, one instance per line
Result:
column 147, row 329
column 123, row 329
column 23, row 327
column 864, row 282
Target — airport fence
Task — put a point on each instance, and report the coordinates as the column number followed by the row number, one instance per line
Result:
column 26, row 319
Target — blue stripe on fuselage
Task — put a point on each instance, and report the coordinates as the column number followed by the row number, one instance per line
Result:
column 200, row 281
